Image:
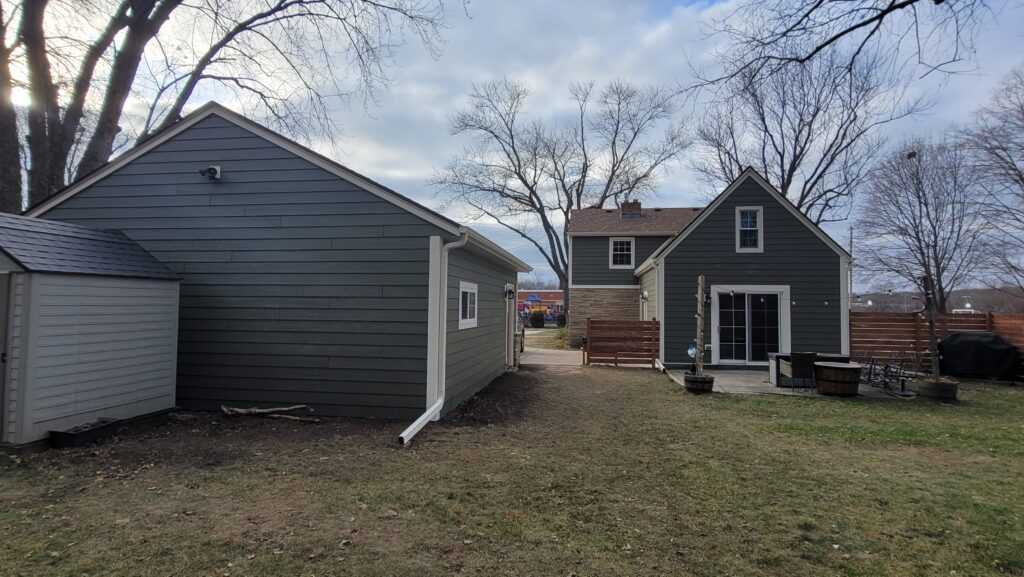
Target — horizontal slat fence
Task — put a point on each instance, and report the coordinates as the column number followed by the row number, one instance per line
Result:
column 904, row 336
column 1011, row 328
column 626, row 342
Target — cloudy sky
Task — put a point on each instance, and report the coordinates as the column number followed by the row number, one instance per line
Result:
column 403, row 139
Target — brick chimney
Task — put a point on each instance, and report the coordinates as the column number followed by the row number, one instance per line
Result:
column 630, row 209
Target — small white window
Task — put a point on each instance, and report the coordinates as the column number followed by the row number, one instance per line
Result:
column 467, row 305
column 749, row 229
column 620, row 252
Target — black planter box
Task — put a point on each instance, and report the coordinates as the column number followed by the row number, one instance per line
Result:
column 83, row 435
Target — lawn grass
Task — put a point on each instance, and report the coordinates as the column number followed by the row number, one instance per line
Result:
column 548, row 338
column 591, row 471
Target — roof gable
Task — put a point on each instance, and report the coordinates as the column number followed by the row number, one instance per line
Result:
column 318, row 160
column 748, row 174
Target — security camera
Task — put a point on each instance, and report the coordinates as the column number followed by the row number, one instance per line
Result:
column 211, row 172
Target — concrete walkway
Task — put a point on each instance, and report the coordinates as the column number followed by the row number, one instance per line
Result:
column 551, row 357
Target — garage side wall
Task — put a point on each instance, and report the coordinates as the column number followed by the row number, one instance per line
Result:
column 97, row 347
column 475, row 356
column 298, row 286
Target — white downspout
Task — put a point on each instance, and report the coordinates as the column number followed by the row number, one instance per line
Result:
column 437, row 334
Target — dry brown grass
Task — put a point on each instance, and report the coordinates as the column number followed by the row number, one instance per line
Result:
column 589, row 471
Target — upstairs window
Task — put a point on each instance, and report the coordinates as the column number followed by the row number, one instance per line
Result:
column 749, row 229
column 620, row 252
column 467, row 305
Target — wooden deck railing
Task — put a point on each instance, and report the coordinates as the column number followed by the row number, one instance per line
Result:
column 625, row 342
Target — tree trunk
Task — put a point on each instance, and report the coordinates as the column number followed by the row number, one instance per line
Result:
column 141, row 30
column 10, row 155
column 44, row 112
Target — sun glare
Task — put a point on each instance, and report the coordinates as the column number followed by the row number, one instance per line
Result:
column 20, row 97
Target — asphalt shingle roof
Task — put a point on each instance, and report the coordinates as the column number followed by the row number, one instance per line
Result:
column 667, row 221
column 40, row 245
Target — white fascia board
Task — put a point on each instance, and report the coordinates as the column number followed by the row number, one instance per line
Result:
column 490, row 247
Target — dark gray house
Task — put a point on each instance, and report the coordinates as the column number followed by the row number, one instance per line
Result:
column 304, row 281
column 775, row 281
column 605, row 247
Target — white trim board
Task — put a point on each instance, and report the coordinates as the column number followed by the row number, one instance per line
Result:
column 785, row 320
column 331, row 166
column 605, row 286
column 670, row 244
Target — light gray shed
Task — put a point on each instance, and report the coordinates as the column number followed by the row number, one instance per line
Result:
column 89, row 328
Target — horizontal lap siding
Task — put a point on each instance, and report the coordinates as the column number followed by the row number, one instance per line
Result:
column 475, row 356
column 299, row 287
column 590, row 259
column 792, row 256
column 99, row 347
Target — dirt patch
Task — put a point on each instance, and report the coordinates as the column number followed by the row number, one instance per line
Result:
column 508, row 399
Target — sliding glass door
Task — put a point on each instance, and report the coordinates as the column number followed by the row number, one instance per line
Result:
column 748, row 326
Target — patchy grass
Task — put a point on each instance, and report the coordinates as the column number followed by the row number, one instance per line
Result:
column 590, row 471
column 547, row 338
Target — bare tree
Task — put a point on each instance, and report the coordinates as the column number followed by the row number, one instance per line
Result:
column 528, row 175
column 100, row 73
column 810, row 129
column 996, row 142
column 920, row 218
column 768, row 36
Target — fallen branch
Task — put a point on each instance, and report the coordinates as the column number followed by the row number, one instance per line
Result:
column 233, row 411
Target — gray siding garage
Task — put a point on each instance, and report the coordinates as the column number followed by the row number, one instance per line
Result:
column 302, row 281
column 91, row 324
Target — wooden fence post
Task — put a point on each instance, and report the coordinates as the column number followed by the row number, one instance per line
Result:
column 586, row 345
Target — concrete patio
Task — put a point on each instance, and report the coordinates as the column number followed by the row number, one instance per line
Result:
column 751, row 382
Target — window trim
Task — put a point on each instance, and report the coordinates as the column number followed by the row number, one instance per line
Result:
column 632, row 253
column 469, row 288
column 760, row 229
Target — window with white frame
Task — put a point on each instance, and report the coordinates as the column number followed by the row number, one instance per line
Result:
column 620, row 252
column 749, row 229
column 467, row 305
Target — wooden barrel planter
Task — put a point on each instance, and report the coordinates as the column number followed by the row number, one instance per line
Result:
column 837, row 379
column 699, row 383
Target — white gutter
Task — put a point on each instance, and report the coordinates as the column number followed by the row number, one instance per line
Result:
column 437, row 336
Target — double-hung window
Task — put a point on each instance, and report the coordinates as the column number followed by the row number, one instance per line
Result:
column 467, row 305
column 749, row 229
column 621, row 252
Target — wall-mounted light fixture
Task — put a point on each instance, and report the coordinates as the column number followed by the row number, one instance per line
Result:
column 211, row 172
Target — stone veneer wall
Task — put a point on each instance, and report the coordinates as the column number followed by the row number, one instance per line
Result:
column 601, row 303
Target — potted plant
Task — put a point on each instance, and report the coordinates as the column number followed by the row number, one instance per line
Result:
column 696, row 381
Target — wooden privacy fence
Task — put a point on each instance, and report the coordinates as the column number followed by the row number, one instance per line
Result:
column 904, row 336
column 627, row 342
